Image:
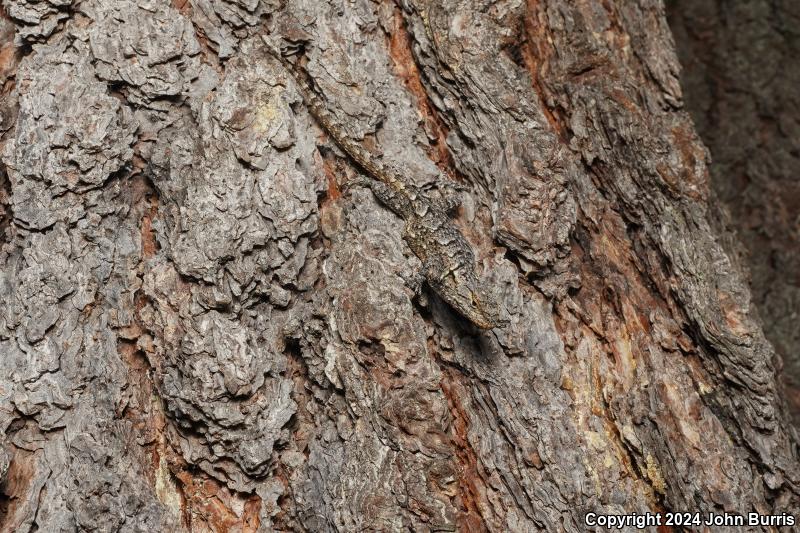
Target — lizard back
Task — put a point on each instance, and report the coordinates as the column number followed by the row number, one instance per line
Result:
column 447, row 257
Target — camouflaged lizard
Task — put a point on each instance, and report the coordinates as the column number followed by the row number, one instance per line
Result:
column 447, row 258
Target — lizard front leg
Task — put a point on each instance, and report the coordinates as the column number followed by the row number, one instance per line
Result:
column 449, row 193
column 416, row 282
column 451, row 200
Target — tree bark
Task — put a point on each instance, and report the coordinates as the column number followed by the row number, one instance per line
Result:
column 742, row 67
column 204, row 330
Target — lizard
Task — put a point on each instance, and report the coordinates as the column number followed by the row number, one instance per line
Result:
column 448, row 262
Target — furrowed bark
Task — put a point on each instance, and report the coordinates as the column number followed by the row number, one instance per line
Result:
column 742, row 65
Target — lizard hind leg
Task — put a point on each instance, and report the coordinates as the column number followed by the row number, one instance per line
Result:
column 382, row 192
column 359, row 181
column 397, row 202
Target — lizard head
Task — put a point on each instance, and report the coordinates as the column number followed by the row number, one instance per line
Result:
column 475, row 304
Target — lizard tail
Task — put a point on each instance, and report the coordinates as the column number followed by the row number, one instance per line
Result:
column 326, row 119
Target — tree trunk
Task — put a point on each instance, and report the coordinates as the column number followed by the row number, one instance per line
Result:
column 204, row 329
column 742, row 69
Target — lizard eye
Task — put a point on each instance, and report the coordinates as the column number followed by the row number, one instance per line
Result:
column 474, row 300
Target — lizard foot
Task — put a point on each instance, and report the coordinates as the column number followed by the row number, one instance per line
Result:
column 415, row 282
column 358, row 181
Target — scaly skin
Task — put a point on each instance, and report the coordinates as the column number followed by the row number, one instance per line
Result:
column 447, row 258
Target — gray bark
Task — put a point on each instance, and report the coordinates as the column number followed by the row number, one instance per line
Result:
column 203, row 331
column 742, row 71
